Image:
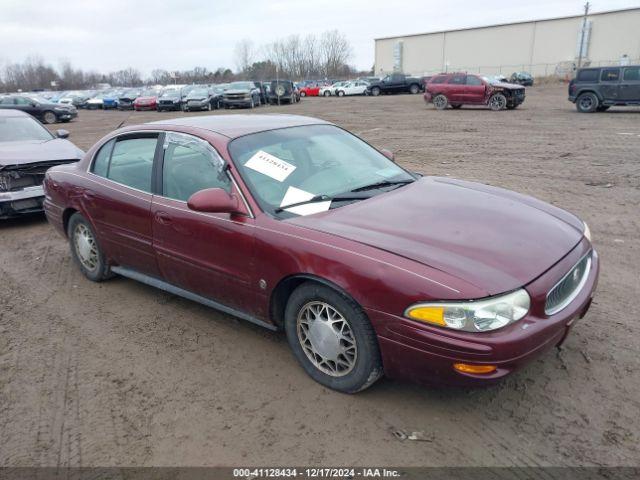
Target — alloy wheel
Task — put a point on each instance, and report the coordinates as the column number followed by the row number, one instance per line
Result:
column 86, row 247
column 326, row 339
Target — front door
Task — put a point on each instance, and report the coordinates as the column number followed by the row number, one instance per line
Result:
column 211, row 254
column 609, row 84
column 474, row 90
column 630, row 85
column 118, row 200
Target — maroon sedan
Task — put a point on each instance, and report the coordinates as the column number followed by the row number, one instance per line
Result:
column 293, row 223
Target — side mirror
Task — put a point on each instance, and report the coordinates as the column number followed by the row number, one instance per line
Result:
column 213, row 200
column 62, row 133
column 389, row 154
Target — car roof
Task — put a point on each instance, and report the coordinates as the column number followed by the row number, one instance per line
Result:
column 234, row 126
column 10, row 112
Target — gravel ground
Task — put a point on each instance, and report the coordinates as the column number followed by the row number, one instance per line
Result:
column 122, row 374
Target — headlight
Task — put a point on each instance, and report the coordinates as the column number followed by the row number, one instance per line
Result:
column 475, row 315
column 587, row 232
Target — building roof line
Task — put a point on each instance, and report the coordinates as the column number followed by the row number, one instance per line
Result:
column 519, row 22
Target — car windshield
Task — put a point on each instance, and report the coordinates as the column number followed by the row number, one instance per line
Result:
column 171, row 94
column 199, row 92
column 292, row 165
column 18, row 129
column 242, row 86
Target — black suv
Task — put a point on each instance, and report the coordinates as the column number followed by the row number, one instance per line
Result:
column 283, row 91
column 597, row 89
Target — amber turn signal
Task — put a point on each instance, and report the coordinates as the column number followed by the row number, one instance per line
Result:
column 466, row 368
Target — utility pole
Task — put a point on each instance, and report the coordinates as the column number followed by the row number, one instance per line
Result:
column 584, row 30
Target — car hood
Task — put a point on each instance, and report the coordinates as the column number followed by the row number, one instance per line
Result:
column 492, row 238
column 506, row 85
column 22, row 153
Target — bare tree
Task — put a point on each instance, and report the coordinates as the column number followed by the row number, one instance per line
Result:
column 244, row 54
column 335, row 52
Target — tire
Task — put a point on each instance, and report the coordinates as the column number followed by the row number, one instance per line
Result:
column 587, row 102
column 340, row 93
column 440, row 101
column 327, row 93
column 375, row 91
column 498, row 102
column 303, row 94
column 49, row 117
column 360, row 363
column 414, row 89
column 85, row 249
column 456, row 106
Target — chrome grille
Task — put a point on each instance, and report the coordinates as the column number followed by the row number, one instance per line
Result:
column 569, row 287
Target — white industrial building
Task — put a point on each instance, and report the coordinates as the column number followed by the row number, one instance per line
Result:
column 542, row 47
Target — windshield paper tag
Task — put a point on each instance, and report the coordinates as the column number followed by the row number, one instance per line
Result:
column 270, row 166
column 295, row 195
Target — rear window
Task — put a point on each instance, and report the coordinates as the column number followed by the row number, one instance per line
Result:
column 610, row 75
column 587, row 76
column 632, row 73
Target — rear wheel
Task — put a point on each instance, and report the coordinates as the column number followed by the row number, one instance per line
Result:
column 498, row 102
column 332, row 338
column 375, row 91
column 49, row 117
column 85, row 249
column 327, row 93
column 414, row 88
column 303, row 94
column 440, row 102
column 587, row 102
column 340, row 93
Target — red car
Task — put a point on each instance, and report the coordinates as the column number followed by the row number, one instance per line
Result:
column 146, row 101
column 457, row 89
column 312, row 90
column 293, row 223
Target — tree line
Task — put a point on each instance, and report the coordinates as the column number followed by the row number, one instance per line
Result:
column 295, row 57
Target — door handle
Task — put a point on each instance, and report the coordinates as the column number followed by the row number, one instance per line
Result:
column 163, row 218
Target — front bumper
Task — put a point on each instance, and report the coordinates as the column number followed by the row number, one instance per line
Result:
column 67, row 115
column 424, row 354
column 20, row 202
column 237, row 102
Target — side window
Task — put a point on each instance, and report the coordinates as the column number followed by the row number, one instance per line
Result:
column 7, row 101
column 132, row 162
column 101, row 160
column 440, row 79
column 588, row 76
column 610, row 75
column 473, row 80
column 22, row 101
column 458, row 79
column 191, row 165
column 631, row 74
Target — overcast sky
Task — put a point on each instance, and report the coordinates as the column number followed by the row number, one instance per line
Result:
column 180, row 34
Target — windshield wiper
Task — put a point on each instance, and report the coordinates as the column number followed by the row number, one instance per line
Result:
column 323, row 198
column 382, row 184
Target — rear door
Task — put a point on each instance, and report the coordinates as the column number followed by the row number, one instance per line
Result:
column 629, row 90
column 456, row 88
column 118, row 199
column 211, row 254
column 610, row 84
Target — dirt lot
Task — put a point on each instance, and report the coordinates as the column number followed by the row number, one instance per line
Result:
column 121, row 374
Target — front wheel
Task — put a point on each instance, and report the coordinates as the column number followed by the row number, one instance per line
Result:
column 414, row 89
column 327, row 93
column 440, row 102
column 49, row 117
column 587, row 102
column 375, row 91
column 85, row 249
column 340, row 93
column 498, row 102
column 303, row 94
column 332, row 338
